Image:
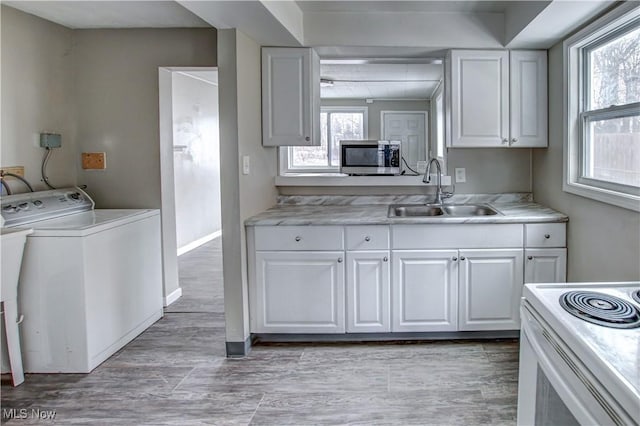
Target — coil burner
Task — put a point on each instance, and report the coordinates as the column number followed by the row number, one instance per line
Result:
column 636, row 296
column 601, row 309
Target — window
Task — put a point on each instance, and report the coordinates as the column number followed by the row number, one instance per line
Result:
column 602, row 147
column 336, row 124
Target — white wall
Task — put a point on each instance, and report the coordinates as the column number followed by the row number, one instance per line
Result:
column 37, row 97
column 603, row 240
column 244, row 196
column 116, row 92
column 196, row 157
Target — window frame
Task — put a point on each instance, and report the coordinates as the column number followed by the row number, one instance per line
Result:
column 285, row 153
column 577, row 116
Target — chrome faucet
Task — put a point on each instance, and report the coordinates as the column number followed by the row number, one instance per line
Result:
column 427, row 179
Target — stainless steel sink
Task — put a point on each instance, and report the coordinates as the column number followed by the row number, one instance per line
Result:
column 413, row 210
column 451, row 210
column 469, row 210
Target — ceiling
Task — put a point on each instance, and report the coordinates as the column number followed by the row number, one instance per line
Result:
column 406, row 81
column 404, row 6
column 111, row 14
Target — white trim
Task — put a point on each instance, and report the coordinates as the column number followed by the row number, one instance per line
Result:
column 572, row 105
column 175, row 295
column 197, row 243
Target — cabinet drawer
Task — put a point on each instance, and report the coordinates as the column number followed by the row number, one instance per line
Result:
column 299, row 238
column 367, row 237
column 545, row 235
column 421, row 237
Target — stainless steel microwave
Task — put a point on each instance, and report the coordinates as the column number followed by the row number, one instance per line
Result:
column 366, row 158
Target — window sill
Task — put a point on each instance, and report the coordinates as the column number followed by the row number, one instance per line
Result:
column 338, row 179
column 619, row 199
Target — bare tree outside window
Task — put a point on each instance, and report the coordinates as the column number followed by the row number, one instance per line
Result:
column 334, row 127
column 612, row 144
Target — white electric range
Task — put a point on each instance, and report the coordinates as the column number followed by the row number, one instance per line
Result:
column 580, row 354
column 90, row 282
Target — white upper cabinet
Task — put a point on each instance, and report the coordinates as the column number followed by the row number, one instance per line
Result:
column 528, row 102
column 290, row 96
column 497, row 98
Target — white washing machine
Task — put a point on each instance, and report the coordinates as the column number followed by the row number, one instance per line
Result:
column 91, row 280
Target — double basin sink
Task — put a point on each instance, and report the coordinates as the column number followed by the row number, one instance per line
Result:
column 446, row 210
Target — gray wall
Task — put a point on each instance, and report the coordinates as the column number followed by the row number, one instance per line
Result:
column 196, row 162
column 376, row 107
column 603, row 240
column 37, row 96
column 116, row 93
column 244, row 196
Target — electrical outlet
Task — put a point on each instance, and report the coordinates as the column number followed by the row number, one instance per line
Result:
column 461, row 175
column 16, row 170
column 246, row 164
column 421, row 166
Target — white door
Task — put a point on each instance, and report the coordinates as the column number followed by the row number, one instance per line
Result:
column 368, row 290
column 545, row 265
column 300, row 292
column 490, row 289
column 479, row 98
column 410, row 128
column 290, row 96
column 424, row 290
column 528, row 92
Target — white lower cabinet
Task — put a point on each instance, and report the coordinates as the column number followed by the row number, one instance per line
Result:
column 300, row 292
column 368, row 292
column 545, row 265
column 490, row 289
column 425, row 288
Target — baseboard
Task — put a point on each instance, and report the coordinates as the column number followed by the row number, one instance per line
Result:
column 238, row 349
column 175, row 295
column 197, row 243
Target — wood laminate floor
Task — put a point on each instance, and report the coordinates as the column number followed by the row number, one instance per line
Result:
column 176, row 373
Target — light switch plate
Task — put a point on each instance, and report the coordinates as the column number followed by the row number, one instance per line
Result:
column 461, row 175
column 246, row 164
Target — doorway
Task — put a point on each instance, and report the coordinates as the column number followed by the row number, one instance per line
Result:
column 190, row 166
column 409, row 127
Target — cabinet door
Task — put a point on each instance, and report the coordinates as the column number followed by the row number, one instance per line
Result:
column 290, row 96
column 528, row 98
column 299, row 292
column 490, row 289
column 424, row 290
column 545, row 266
column 479, row 98
column 368, row 290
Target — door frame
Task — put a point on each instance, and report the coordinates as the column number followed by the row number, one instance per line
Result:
column 171, row 290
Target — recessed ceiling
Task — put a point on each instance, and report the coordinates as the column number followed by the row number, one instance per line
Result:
column 404, row 6
column 111, row 14
column 379, row 80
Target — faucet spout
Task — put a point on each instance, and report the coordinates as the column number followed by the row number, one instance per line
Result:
column 427, row 179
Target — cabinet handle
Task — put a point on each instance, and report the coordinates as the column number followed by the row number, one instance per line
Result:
column 307, row 138
column 385, row 259
column 547, row 236
column 462, row 258
column 454, row 258
column 367, row 238
column 298, row 238
column 339, row 260
column 530, row 257
column 505, row 140
column 514, row 140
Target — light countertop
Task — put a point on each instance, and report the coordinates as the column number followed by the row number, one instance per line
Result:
column 518, row 211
